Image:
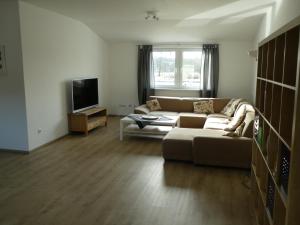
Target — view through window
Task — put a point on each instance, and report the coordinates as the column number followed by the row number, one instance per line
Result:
column 177, row 68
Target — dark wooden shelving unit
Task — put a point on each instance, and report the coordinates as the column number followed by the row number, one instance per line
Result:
column 276, row 143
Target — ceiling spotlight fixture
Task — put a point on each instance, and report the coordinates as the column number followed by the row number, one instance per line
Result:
column 151, row 15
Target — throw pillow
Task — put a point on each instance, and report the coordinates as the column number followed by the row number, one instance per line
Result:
column 237, row 133
column 231, row 106
column 237, row 119
column 204, row 107
column 153, row 105
column 227, row 106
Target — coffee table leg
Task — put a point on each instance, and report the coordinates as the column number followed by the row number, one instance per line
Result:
column 121, row 130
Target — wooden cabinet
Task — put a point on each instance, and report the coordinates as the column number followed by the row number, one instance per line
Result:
column 276, row 143
column 87, row 120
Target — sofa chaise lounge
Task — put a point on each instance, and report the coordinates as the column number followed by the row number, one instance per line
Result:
column 201, row 138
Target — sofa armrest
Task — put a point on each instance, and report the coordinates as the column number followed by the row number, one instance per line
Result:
column 142, row 109
column 223, row 151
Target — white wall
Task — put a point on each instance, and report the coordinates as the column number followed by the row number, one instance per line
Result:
column 13, row 125
column 236, row 73
column 282, row 13
column 236, row 69
column 56, row 49
column 122, row 78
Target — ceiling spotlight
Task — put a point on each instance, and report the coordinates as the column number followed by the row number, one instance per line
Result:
column 151, row 15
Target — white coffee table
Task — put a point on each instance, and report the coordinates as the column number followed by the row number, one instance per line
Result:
column 157, row 128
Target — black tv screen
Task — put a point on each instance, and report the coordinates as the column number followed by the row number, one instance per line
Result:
column 84, row 93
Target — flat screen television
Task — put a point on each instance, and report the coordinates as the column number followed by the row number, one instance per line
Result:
column 84, row 94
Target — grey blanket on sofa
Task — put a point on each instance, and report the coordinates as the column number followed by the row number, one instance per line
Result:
column 143, row 122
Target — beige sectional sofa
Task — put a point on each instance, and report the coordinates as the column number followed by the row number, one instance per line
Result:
column 200, row 138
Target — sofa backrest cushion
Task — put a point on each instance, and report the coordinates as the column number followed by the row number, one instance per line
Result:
column 173, row 104
column 177, row 104
column 220, row 103
column 237, row 119
column 249, row 119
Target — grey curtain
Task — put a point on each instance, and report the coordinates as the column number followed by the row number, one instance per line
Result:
column 144, row 73
column 209, row 71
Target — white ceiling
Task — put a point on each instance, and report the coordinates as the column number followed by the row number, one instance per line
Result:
column 180, row 20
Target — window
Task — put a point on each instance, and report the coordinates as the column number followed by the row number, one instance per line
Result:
column 164, row 68
column 177, row 68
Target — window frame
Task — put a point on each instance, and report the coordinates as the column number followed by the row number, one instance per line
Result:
column 178, row 67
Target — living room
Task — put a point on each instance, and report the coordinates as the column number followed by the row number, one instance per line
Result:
column 52, row 174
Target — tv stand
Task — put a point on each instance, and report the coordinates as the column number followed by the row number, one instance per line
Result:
column 87, row 120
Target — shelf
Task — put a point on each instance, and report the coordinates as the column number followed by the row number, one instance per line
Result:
column 270, row 195
column 291, row 52
column 264, row 61
column 87, row 120
column 279, row 210
column 259, row 62
column 99, row 119
column 92, row 111
column 258, row 93
column 284, row 169
column 279, row 57
column 275, row 166
column 262, row 96
column 266, row 133
column 262, row 175
column 286, row 115
column 271, row 58
column 282, row 196
column 274, row 130
column 269, row 220
column 272, row 152
column 276, row 105
column 259, row 203
column 254, row 155
column 277, row 83
column 268, row 100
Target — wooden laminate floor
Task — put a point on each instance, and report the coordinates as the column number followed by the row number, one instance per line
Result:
column 99, row 180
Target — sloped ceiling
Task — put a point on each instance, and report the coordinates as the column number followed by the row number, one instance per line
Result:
column 179, row 20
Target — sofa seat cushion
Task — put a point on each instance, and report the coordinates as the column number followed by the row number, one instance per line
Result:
column 192, row 120
column 178, row 144
column 218, row 120
column 218, row 115
column 163, row 113
column 183, row 133
column 209, row 133
column 215, row 126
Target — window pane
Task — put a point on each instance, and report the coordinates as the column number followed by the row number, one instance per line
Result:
column 191, row 64
column 164, row 68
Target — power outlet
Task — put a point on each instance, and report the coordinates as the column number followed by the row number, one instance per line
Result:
column 2, row 61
